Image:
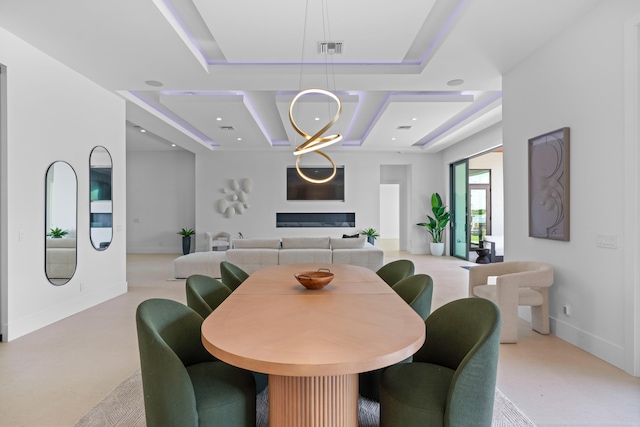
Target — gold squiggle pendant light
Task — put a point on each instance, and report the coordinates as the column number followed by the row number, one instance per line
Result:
column 315, row 142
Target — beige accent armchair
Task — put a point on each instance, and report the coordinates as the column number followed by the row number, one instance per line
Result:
column 516, row 283
column 217, row 241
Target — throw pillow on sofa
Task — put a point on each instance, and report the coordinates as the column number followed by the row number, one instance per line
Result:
column 354, row 243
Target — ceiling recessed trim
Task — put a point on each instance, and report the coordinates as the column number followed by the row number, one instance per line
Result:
column 172, row 18
column 459, row 119
column 148, row 107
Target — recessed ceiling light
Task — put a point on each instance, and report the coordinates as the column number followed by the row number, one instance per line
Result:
column 154, row 83
column 142, row 130
column 218, row 118
column 393, row 139
column 173, row 145
column 455, row 82
column 239, row 139
column 414, row 118
column 317, row 118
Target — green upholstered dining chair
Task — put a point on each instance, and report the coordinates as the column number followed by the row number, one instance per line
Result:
column 417, row 291
column 395, row 271
column 184, row 385
column 232, row 275
column 452, row 379
column 205, row 293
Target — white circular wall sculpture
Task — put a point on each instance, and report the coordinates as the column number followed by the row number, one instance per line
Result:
column 236, row 198
column 247, row 185
column 231, row 211
column 222, row 205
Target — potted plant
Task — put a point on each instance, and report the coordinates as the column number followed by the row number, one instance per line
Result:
column 371, row 234
column 57, row 233
column 437, row 224
column 186, row 234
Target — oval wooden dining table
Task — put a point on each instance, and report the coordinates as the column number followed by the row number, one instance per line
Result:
column 313, row 343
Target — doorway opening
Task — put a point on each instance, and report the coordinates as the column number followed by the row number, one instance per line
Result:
column 390, row 217
column 477, row 207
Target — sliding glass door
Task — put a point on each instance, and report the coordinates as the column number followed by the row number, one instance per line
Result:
column 459, row 178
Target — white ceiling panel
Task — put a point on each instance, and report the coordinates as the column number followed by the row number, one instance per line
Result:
column 222, row 117
column 420, row 117
column 274, row 31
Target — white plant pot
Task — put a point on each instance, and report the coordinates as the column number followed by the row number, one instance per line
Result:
column 437, row 249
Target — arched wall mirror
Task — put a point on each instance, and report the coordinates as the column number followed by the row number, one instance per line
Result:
column 61, row 199
column 100, row 210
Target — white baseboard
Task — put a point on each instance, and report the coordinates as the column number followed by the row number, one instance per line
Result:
column 605, row 350
column 155, row 250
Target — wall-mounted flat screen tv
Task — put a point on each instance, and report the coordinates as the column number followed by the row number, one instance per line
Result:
column 300, row 189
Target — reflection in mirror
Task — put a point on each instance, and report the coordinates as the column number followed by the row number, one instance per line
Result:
column 60, row 222
column 100, row 196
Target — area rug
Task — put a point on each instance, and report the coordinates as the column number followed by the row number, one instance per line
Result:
column 124, row 407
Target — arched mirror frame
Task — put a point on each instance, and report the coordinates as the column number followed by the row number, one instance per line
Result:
column 60, row 247
column 100, row 198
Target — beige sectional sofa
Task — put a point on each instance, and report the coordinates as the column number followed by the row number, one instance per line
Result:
column 60, row 260
column 253, row 254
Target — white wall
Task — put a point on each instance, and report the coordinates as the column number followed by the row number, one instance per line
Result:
column 268, row 173
column 576, row 81
column 53, row 114
column 160, row 200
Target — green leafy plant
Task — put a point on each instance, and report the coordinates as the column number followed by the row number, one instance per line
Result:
column 57, row 233
column 370, row 232
column 187, row 232
column 439, row 220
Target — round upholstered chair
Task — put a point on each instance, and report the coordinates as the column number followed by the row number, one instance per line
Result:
column 232, row 275
column 417, row 291
column 452, row 378
column 205, row 294
column 182, row 383
column 517, row 283
column 395, row 271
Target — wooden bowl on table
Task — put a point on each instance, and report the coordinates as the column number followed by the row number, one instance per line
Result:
column 314, row 279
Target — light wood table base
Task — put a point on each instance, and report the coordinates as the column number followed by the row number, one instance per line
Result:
column 330, row 401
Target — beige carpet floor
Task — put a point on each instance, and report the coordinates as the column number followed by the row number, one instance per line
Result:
column 124, row 407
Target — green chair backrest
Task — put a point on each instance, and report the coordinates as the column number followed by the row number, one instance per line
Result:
column 417, row 291
column 395, row 271
column 464, row 335
column 169, row 339
column 232, row 275
column 205, row 294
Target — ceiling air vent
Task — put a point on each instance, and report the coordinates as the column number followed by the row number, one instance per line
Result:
column 227, row 128
column 330, row 47
column 404, row 127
